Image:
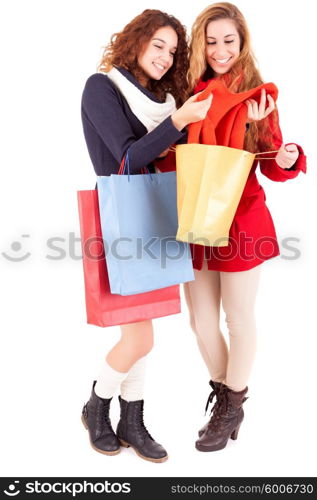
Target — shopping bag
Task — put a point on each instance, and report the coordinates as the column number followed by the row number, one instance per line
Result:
column 102, row 308
column 139, row 223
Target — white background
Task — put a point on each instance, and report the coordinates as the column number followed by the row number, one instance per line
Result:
column 49, row 355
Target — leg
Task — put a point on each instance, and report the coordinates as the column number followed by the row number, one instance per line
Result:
column 126, row 367
column 238, row 292
column 129, row 353
column 203, row 301
column 135, row 343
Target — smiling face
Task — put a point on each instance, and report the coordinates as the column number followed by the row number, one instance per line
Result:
column 222, row 45
column 158, row 55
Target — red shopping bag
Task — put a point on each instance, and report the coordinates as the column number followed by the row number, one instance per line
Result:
column 102, row 307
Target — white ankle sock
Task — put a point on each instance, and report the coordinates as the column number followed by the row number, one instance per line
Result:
column 108, row 381
column 132, row 386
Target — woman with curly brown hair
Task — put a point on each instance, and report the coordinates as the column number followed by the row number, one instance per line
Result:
column 220, row 51
column 136, row 102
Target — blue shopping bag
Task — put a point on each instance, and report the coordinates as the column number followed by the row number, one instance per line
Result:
column 139, row 222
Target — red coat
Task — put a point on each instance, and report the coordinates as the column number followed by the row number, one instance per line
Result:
column 252, row 236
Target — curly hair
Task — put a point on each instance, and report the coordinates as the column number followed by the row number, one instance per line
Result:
column 125, row 47
column 242, row 76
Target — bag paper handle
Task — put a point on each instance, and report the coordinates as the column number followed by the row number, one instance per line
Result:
column 126, row 163
column 173, row 149
column 265, row 153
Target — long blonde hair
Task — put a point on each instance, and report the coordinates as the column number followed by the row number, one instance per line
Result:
column 243, row 75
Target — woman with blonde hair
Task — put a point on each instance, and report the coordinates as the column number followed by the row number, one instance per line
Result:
column 136, row 102
column 220, row 49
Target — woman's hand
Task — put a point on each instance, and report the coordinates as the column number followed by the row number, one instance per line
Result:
column 257, row 111
column 192, row 111
column 287, row 156
column 164, row 153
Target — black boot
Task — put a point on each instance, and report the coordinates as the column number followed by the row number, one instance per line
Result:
column 215, row 389
column 131, row 431
column 95, row 417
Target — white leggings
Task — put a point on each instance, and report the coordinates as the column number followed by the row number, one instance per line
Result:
column 237, row 291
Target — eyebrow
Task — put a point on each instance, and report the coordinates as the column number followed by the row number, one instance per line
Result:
column 232, row 34
column 163, row 41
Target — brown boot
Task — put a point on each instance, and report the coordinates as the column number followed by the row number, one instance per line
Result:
column 215, row 389
column 227, row 415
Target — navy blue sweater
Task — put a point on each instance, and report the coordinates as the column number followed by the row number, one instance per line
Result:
column 110, row 127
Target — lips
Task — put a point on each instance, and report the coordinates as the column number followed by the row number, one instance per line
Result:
column 222, row 61
column 159, row 66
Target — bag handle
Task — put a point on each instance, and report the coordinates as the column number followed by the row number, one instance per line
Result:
column 122, row 167
column 172, row 148
column 265, row 153
column 126, row 163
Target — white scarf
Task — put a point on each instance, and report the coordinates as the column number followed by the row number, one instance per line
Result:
column 149, row 112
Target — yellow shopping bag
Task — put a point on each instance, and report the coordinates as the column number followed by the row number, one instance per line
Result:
column 210, row 182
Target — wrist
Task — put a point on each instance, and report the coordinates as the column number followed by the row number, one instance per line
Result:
column 178, row 120
column 277, row 162
column 283, row 166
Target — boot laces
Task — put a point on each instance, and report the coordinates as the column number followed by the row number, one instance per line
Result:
column 222, row 410
column 209, row 401
column 104, row 412
column 219, row 409
column 142, row 429
column 85, row 411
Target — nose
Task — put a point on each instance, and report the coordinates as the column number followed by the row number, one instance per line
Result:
column 164, row 60
column 165, row 57
column 221, row 52
column 221, row 55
